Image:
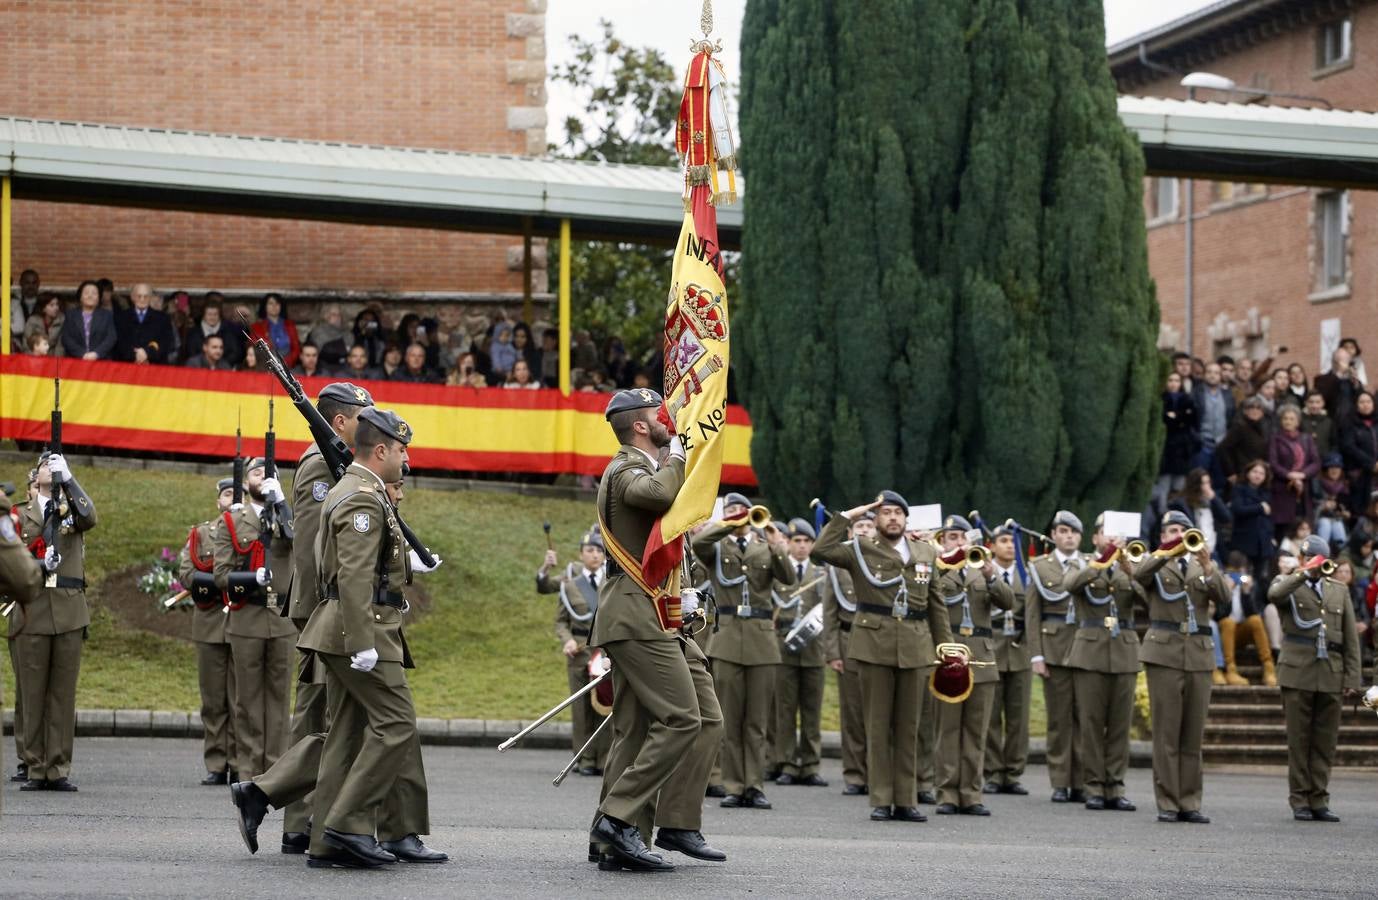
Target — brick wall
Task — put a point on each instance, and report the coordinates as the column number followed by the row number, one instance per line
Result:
column 457, row 74
column 1253, row 259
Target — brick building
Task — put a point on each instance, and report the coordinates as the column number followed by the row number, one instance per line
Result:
column 455, row 74
column 1275, row 265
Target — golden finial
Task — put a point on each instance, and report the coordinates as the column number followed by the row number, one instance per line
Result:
column 706, row 18
column 706, row 45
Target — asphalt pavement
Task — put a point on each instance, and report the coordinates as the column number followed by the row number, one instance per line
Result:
column 142, row 827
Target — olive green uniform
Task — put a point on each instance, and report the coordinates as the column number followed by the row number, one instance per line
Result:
column 960, row 757
column 894, row 653
column 746, row 651
column 260, row 638
column 1314, row 615
column 371, row 753
column 1051, row 626
column 21, row 578
column 798, row 741
column 1105, row 663
column 573, row 621
column 1178, row 660
column 214, row 665
column 48, row 635
column 1007, row 738
column 839, row 615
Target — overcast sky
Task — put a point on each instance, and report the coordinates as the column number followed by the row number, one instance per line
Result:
column 673, row 23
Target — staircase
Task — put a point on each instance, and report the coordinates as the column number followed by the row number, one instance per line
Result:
column 1245, row 726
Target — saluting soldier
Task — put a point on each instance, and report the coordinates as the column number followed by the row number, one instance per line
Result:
column 799, row 680
column 578, row 590
column 253, row 567
column 1052, row 626
column 1105, row 663
column 892, row 642
column 214, row 665
column 744, row 564
column 839, row 615
column 1007, row 739
column 1319, row 665
column 972, row 596
column 1179, row 656
column 49, row 633
column 21, row 577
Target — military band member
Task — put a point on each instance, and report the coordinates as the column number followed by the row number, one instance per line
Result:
column 799, row 680
column 1051, row 626
column 1105, row 663
column 21, row 772
column 578, row 590
column 49, row 634
column 744, row 564
column 1007, row 739
column 21, row 577
column 892, row 642
column 839, row 615
column 253, row 567
column 1319, row 666
column 973, row 596
column 1179, row 656
column 214, row 666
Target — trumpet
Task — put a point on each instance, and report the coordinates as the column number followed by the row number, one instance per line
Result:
column 1192, row 541
column 1135, row 551
column 759, row 516
column 1328, row 568
column 977, row 556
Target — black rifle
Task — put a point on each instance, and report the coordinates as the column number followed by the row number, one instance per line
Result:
column 334, row 450
column 238, row 464
column 60, row 506
column 270, row 470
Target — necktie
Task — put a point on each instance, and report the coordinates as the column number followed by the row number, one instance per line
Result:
column 741, row 544
column 1007, row 577
column 799, row 568
column 593, row 580
column 1182, row 564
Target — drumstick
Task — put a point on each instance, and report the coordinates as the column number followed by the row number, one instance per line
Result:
column 549, row 544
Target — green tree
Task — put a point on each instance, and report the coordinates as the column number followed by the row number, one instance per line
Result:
column 945, row 241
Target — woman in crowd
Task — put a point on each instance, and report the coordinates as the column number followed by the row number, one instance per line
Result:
column 1359, row 446
column 1317, row 423
column 1267, row 396
column 1330, row 490
column 368, row 333
column 1282, row 383
column 524, row 345
column 392, row 361
column 1245, row 440
column 330, row 336
column 466, row 374
column 1294, row 460
column 1179, row 414
column 47, row 321
column 1356, row 363
column 1294, row 392
column 250, row 362
column 520, row 378
column 1252, row 518
column 1200, row 502
column 277, row 329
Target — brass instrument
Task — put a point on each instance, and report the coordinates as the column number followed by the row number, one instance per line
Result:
column 1328, row 567
column 758, row 516
column 977, row 556
column 1192, row 541
column 1135, row 551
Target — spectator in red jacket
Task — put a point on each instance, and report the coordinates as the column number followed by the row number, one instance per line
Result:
column 278, row 330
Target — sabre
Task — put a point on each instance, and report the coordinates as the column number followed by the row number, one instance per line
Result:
column 555, row 711
column 569, row 766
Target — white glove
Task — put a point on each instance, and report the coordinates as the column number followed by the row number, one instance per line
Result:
column 688, row 601
column 51, row 559
column 272, row 490
column 262, row 576
column 364, row 660
column 676, row 447
column 57, row 465
column 416, row 564
column 1371, row 696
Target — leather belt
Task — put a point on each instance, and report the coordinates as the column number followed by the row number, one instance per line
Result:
column 390, row 598
column 974, row 631
column 1055, row 617
column 1311, row 642
column 579, row 632
column 752, row 614
column 886, row 611
column 76, row 584
column 1179, row 627
column 1100, row 623
column 845, row 626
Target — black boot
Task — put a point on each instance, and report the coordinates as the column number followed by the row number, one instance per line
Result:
column 690, row 843
column 626, row 846
column 252, row 805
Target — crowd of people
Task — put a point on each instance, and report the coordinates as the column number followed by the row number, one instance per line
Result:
column 210, row 332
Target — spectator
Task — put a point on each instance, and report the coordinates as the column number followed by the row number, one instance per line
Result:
column 1243, row 387
column 330, row 336
column 277, row 329
column 1297, row 386
column 1281, row 382
column 1226, row 364
column 406, row 330
column 585, row 351
column 1200, row 502
column 89, row 332
column 181, row 322
column 501, row 353
column 641, row 379
column 1214, row 413
column 1316, row 423
column 250, row 362
column 356, row 365
column 520, row 378
column 466, row 373
column 108, row 300
column 46, row 319
column 1179, row 414
column 23, row 306
column 605, row 384
column 1292, row 539
column 619, row 364
column 36, row 343
column 368, row 333
column 1292, row 455
column 548, row 358
column 212, row 355
column 213, row 322
column 1251, row 517
column 1330, row 493
column 524, row 345
column 1359, row 446
column 1267, row 395
column 414, row 368
column 144, row 334
column 1181, row 364
column 309, row 362
column 1358, row 552
column 1346, row 575
column 392, row 361
column 1355, row 362
column 1339, row 386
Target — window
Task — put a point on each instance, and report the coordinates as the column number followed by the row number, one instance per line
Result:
column 1332, row 240
column 1162, row 199
column 1235, row 191
column 1335, row 43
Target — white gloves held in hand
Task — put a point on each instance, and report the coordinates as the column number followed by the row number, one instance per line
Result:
column 51, row 559
column 364, row 660
column 418, row 566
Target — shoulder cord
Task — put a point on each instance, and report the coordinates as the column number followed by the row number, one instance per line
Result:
column 966, row 605
column 569, row 608
column 902, row 590
column 842, row 600
column 1173, row 598
column 1307, row 624
column 1109, row 598
column 1051, row 596
column 717, row 569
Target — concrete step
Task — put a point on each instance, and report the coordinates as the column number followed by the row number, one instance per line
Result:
column 1254, row 694
column 1253, row 713
column 1276, row 754
column 1276, row 733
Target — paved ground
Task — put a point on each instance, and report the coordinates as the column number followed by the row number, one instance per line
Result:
column 513, row 835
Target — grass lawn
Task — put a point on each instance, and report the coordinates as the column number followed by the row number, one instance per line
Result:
column 486, row 649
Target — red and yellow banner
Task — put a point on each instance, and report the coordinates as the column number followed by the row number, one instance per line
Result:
column 167, row 409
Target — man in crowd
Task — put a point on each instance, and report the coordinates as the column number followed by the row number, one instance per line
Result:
column 414, row 367
column 143, row 334
column 1214, row 413
column 309, row 362
column 212, row 355
column 1007, row 741
column 213, row 323
column 26, row 304
column 1339, row 386
column 839, row 616
column 799, row 680
column 357, row 367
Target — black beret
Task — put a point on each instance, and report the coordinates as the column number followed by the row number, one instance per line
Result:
column 633, row 398
column 955, row 523
column 344, row 392
column 388, row 422
column 252, row 463
column 892, row 498
column 223, row 484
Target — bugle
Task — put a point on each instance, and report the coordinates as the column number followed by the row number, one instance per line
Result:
column 758, row 516
column 1193, row 540
column 977, row 556
column 552, row 712
column 1135, row 551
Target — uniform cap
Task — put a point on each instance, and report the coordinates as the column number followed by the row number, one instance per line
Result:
column 1002, row 531
column 388, row 422
column 223, row 485
column 253, row 463
column 1177, row 517
column 735, row 499
column 591, row 539
column 1068, row 518
column 633, row 398
column 892, row 498
column 344, row 392
column 801, row 528
column 955, row 523
column 1315, row 545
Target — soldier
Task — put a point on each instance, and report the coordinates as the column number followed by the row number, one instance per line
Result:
column 839, row 615
column 21, row 772
column 1315, row 671
column 1105, row 663
column 745, row 563
column 1007, row 739
column 1051, row 626
column 214, row 666
column 578, row 590
column 799, row 680
column 49, row 634
column 892, row 642
column 21, row 577
column 1179, row 656
column 253, row 567
column 971, row 594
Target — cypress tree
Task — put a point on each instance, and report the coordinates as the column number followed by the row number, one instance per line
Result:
column 972, row 300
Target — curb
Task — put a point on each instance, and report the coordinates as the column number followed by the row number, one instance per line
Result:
column 145, row 723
